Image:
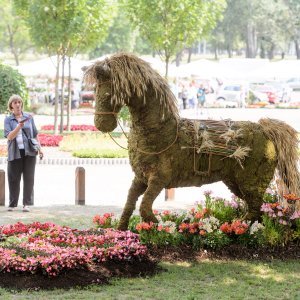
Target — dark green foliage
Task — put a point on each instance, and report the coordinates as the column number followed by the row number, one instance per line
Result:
column 216, row 240
column 11, row 82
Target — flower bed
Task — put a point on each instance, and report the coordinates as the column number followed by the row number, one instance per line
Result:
column 73, row 127
column 216, row 224
column 51, row 249
column 49, row 140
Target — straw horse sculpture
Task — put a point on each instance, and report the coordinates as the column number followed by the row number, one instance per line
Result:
column 166, row 151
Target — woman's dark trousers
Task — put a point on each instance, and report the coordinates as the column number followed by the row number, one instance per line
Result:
column 15, row 168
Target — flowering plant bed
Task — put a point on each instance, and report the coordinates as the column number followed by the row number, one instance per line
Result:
column 73, row 127
column 217, row 224
column 49, row 140
column 45, row 255
column 38, row 249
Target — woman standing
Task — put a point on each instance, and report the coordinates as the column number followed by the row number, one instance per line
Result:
column 18, row 128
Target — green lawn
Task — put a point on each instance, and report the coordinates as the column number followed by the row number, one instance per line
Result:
column 207, row 279
column 203, row 280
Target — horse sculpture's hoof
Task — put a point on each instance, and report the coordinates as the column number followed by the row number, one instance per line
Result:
column 149, row 219
column 254, row 216
column 123, row 226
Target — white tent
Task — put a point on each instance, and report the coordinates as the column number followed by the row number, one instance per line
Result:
column 283, row 69
column 244, row 67
column 155, row 62
column 206, row 69
column 47, row 68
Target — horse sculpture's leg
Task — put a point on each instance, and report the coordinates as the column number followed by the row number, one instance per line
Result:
column 137, row 188
column 252, row 194
column 154, row 188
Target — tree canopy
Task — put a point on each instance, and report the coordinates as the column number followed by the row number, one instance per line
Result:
column 11, row 82
column 171, row 25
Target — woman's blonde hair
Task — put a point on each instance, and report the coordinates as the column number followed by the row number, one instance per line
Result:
column 13, row 98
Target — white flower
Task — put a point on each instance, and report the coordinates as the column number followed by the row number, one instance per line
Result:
column 255, row 227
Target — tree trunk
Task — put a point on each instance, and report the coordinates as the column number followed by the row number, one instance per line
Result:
column 190, row 49
column 297, row 48
column 229, row 51
column 178, row 58
column 216, row 52
column 251, row 41
column 12, row 47
column 271, row 51
column 167, row 65
column 56, row 95
column 62, row 104
column 69, row 97
column 262, row 51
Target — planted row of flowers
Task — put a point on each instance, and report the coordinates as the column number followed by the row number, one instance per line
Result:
column 73, row 127
column 49, row 140
column 216, row 224
column 52, row 249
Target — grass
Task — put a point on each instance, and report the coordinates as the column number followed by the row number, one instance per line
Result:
column 94, row 145
column 207, row 279
column 203, row 280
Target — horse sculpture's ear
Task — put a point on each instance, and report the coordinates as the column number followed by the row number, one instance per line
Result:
column 102, row 71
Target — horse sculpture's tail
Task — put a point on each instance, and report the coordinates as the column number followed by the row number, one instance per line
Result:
column 285, row 139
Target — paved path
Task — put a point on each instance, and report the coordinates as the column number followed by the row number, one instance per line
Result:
column 106, row 191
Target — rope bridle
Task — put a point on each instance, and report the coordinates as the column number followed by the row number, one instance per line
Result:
column 139, row 150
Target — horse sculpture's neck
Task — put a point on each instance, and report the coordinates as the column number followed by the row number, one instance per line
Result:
column 149, row 114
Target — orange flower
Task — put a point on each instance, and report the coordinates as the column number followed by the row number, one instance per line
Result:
column 160, row 228
column 292, row 197
column 226, row 228
column 199, row 215
column 202, row 232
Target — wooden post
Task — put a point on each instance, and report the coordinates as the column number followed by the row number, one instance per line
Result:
column 2, row 188
column 80, row 186
column 169, row 194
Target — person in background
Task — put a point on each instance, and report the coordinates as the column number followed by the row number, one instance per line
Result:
column 201, row 96
column 18, row 128
column 192, row 94
column 184, row 96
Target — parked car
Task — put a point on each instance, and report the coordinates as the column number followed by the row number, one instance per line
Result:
column 231, row 95
column 268, row 90
column 87, row 99
column 257, row 99
column 294, row 83
column 283, row 90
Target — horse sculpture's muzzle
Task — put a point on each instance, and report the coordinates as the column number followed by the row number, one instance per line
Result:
column 106, row 123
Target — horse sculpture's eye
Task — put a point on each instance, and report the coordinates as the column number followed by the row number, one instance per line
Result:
column 107, row 94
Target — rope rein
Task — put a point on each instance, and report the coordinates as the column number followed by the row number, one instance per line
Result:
column 139, row 150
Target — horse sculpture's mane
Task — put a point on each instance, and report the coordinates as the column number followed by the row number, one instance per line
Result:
column 131, row 76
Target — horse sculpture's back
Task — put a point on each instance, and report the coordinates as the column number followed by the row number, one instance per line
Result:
column 167, row 152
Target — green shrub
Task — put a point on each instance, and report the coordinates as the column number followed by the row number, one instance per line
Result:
column 11, row 82
column 216, row 240
column 103, row 153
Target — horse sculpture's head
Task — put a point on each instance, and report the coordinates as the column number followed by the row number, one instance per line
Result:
column 125, row 79
column 106, row 109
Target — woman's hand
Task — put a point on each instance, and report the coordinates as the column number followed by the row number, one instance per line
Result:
column 41, row 154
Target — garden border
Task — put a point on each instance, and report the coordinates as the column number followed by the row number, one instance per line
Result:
column 75, row 161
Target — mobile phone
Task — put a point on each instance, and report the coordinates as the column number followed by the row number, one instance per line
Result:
column 24, row 120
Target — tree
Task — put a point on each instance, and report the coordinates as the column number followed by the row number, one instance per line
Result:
column 13, row 31
column 171, row 25
column 292, row 22
column 68, row 26
column 11, row 82
column 121, row 37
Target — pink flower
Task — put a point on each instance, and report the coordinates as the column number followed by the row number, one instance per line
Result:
column 295, row 215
